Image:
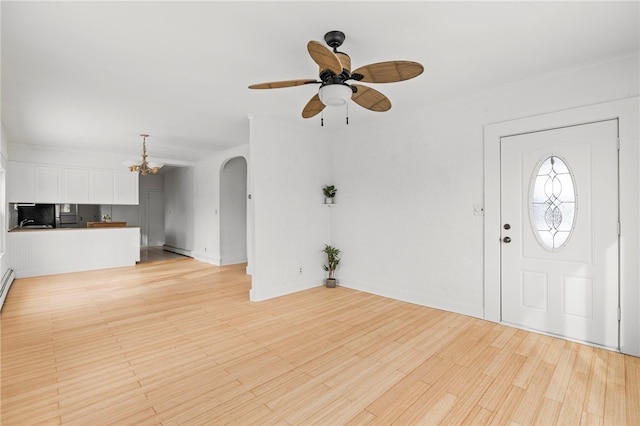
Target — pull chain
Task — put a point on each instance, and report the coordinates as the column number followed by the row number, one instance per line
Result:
column 322, row 116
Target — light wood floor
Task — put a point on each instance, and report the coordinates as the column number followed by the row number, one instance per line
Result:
column 179, row 343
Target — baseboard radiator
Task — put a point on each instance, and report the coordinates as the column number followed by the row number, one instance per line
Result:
column 7, row 279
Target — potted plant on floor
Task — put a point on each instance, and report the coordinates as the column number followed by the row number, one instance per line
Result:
column 333, row 260
column 329, row 192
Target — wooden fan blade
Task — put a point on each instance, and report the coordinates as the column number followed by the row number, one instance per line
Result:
column 324, row 57
column 281, row 84
column 345, row 61
column 313, row 107
column 370, row 99
column 389, row 72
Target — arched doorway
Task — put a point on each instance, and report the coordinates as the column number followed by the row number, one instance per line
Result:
column 233, row 211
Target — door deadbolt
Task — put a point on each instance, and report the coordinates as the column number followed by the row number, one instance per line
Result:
column 507, row 239
column 507, row 226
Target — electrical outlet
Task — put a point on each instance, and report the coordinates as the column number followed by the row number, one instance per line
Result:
column 300, row 270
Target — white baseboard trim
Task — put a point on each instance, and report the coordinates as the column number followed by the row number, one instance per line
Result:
column 225, row 262
column 207, row 259
column 255, row 295
column 183, row 252
column 429, row 302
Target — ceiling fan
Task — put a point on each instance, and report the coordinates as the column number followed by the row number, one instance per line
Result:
column 335, row 73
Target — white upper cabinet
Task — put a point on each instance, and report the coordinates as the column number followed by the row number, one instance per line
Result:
column 125, row 188
column 39, row 183
column 101, row 184
column 48, row 184
column 75, row 186
column 21, row 182
column 110, row 187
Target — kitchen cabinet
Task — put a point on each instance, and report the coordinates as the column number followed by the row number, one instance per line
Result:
column 125, row 188
column 33, row 183
column 75, row 186
column 101, row 184
column 40, row 183
column 48, row 184
column 111, row 187
column 21, row 182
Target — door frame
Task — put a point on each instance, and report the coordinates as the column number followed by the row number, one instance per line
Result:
column 627, row 112
column 224, row 212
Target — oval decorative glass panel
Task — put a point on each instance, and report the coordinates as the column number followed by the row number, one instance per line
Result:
column 553, row 199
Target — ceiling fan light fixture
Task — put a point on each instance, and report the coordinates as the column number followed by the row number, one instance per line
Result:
column 335, row 94
column 334, row 73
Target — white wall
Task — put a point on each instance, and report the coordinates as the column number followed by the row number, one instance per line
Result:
column 233, row 211
column 207, row 203
column 288, row 168
column 407, row 187
column 4, row 158
column 179, row 208
column 4, row 254
column 405, row 219
column 77, row 158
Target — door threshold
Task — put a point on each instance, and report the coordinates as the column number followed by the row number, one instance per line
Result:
column 561, row 337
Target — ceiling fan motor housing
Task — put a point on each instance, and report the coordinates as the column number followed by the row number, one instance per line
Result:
column 334, row 39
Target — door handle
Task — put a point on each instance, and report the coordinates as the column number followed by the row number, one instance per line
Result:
column 507, row 239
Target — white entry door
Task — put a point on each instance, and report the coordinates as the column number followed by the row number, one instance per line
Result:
column 559, row 212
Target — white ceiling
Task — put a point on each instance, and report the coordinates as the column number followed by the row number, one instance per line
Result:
column 94, row 75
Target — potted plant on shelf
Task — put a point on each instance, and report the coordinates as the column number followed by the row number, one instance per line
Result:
column 333, row 260
column 329, row 192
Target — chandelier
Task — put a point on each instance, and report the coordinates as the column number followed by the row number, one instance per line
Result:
column 145, row 167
